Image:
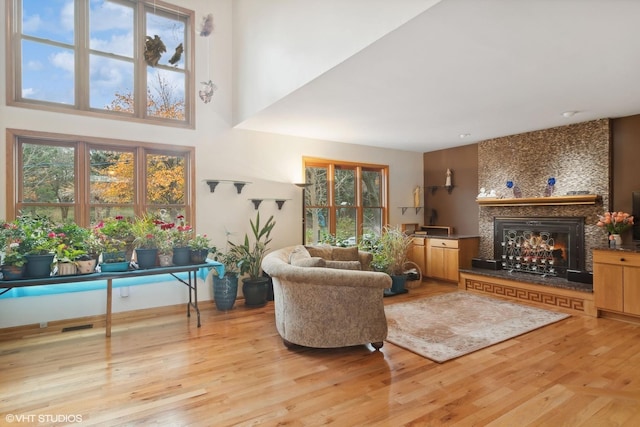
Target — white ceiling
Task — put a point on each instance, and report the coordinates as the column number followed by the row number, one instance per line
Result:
column 486, row 68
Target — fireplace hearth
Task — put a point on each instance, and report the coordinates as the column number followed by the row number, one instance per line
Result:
column 547, row 246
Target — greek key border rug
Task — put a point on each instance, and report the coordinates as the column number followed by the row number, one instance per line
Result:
column 451, row 325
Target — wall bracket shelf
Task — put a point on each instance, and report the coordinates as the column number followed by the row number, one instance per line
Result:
column 434, row 188
column 279, row 202
column 404, row 208
column 213, row 183
column 582, row 199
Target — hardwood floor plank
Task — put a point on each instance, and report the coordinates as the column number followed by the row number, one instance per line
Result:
column 158, row 368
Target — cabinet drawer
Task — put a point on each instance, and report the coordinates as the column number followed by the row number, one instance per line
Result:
column 617, row 257
column 418, row 241
column 443, row 243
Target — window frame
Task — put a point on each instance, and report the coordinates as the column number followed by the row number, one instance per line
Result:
column 83, row 53
column 82, row 205
column 332, row 207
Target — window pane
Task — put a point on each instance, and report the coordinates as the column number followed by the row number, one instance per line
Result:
column 165, row 40
column 371, row 188
column 53, row 22
column 48, row 174
column 111, row 84
column 111, row 28
column 316, row 225
column 372, row 221
column 98, row 213
column 346, row 230
column 345, row 187
column 59, row 214
column 165, row 91
column 47, row 73
column 111, row 177
column 316, row 193
column 165, row 179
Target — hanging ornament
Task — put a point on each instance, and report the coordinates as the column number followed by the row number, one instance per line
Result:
column 206, row 91
column 207, row 26
column 153, row 50
column 176, row 56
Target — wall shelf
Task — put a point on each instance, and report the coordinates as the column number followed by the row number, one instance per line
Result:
column 404, row 208
column 582, row 199
column 279, row 202
column 434, row 188
column 213, row 183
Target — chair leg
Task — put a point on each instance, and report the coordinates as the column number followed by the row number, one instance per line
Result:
column 288, row 344
column 377, row 345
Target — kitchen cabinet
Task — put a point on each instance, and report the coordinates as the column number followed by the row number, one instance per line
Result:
column 616, row 281
column 441, row 258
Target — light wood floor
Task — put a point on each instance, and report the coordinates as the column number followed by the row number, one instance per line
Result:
column 160, row 369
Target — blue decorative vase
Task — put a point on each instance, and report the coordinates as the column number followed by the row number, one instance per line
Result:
column 225, row 291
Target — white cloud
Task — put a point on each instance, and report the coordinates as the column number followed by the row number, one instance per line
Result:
column 67, row 16
column 62, row 60
column 31, row 24
column 34, row 65
column 28, row 92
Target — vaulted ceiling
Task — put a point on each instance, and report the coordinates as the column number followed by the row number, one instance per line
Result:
column 423, row 75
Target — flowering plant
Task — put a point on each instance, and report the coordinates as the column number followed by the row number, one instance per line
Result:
column 183, row 233
column 615, row 222
column 39, row 235
column 201, row 242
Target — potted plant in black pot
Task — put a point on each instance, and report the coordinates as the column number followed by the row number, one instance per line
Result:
column 393, row 255
column 250, row 256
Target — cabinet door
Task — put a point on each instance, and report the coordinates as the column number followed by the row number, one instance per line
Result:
column 632, row 290
column 436, row 263
column 417, row 254
column 607, row 286
column 451, row 264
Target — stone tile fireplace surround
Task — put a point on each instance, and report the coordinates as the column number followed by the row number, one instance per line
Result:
column 578, row 156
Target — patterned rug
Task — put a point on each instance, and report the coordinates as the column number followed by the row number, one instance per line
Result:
column 447, row 326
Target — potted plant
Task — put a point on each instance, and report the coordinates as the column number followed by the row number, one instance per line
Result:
column 250, row 255
column 12, row 260
column 182, row 234
column 165, row 247
column 200, row 247
column 72, row 248
column 392, row 255
column 118, row 230
column 145, row 232
column 225, row 283
column 615, row 223
column 39, row 244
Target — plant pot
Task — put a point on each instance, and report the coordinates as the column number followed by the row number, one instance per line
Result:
column 114, row 267
column 181, row 255
column 67, row 268
column 109, row 257
column 146, row 258
column 165, row 260
column 38, row 265
column 12, row 272
column 198, row 256
column 255, row 291
column 225, row 291
column 617, row 240
column 86, row 266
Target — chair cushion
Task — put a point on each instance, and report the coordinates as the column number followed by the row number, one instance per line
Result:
column 344, row 265
column 345, row 254
column 321, row 251
column 314, row 261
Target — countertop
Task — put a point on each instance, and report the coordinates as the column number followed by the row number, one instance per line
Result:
column 450, row 237
column 624, row 248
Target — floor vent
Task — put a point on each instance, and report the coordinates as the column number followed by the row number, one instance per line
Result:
column 77, row 328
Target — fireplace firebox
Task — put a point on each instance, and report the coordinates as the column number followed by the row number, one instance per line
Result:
column 548, row 246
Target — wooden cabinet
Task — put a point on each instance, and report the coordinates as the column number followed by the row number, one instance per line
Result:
column 441, row 258
column 616, row 281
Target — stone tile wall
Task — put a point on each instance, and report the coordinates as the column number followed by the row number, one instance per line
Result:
column 578, row 156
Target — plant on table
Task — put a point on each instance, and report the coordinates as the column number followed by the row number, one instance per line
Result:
column 39, row 235
column 615, row 222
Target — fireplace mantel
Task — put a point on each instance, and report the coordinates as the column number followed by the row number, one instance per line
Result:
column 582, row 199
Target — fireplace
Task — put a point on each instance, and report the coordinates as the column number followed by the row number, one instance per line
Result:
column 548, row 246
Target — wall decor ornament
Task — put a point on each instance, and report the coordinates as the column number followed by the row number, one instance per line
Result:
column 206, row 28
column 548, row 191
column 206, row 91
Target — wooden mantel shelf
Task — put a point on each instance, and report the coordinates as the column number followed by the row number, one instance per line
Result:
column 581, row 199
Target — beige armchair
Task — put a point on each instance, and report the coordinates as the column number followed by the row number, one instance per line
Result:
column 322, row 307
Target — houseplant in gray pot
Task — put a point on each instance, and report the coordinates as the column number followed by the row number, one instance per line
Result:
column 250, row 255
column 225, row 283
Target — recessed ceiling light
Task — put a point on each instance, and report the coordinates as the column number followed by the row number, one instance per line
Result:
column 568, row 114
column 465, row 135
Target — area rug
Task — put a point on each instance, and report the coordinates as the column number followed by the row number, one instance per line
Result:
column 447, row 326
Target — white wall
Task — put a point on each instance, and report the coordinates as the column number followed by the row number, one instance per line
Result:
column 271, row 162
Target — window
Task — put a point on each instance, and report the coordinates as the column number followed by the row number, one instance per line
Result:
column 343, row 201
column 87, row 179
column 130, row 59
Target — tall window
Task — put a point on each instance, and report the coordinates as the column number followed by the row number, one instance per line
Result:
column 343, row 201
column 89, row 179
column 130, row 59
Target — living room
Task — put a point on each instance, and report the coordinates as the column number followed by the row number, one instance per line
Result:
column 272, row 163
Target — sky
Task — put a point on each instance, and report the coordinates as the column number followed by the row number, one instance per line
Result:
column 49, row 69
